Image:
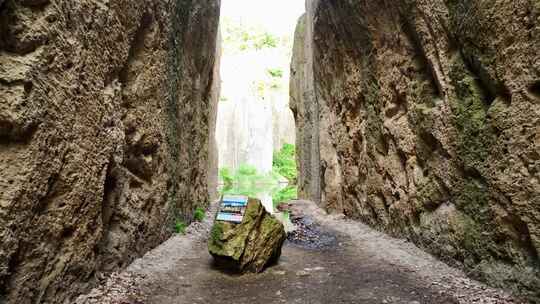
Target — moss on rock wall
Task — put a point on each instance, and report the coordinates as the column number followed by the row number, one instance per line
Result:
column 433, row 121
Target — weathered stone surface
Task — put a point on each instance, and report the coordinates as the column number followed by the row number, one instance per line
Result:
column 104, row 114
column 305, row 110
column 213, row 152
column 244, row 132
column 251, row 245
column 433, row 114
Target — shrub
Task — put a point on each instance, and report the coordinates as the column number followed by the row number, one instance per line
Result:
column 247, row 181
column 199, row 214
column 285, row 194
column 180, row 226
column 284, row 163
column 226, row 177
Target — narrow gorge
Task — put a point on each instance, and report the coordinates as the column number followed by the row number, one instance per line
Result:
column 417, row 129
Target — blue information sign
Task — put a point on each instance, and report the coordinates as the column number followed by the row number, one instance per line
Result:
column 232, row 208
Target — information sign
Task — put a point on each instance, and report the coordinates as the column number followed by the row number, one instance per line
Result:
column 232, row 208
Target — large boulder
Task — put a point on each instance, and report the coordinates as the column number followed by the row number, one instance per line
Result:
column 251, row 245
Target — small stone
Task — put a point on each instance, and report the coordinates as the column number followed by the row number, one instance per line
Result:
column 302, row 273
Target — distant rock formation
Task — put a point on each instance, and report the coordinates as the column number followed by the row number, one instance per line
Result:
column 422, row 118
column 244, row 132
column 249, row 130
column 283, row 127
column 254, row 118
column 213, row 152
column 104, row 123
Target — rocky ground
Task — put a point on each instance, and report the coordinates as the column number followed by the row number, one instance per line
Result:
column 327, row 260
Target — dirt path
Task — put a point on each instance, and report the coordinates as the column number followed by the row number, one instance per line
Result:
column 350, row 263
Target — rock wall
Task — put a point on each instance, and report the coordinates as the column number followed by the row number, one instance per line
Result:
column 213, row 156
column 304, row 106
column 250, row 130
column 104, row 123
column 244, row 134
column 283, row 129
column 432, row 110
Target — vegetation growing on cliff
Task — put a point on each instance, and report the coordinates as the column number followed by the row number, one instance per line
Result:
column 284, row 162
column 288, row 193
column 180, row 226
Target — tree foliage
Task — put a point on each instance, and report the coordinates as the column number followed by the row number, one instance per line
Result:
column 238, row 37
column 276, row 73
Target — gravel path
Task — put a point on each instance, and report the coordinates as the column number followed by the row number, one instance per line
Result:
column 329, row 260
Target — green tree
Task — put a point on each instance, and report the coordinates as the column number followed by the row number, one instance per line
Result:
column 238, row 37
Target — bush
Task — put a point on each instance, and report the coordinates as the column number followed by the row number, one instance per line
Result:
column 247, row 181
column 199, row 214
column 180, row 226
column 246, row 170
column 226, row 177
column 285, row 194
column 284, row 163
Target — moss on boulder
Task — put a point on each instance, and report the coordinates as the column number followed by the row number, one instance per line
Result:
column 251, row 245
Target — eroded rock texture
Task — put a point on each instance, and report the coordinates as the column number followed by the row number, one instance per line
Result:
column 249, row 246
column 104, row 115
column 432, row 110
column 305, row 110
column 213, row 152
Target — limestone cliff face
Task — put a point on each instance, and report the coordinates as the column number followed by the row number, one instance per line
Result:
column 305, row 110
column 104, row 117
column 432, row 110
column 213, row 152
column 244, row 132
